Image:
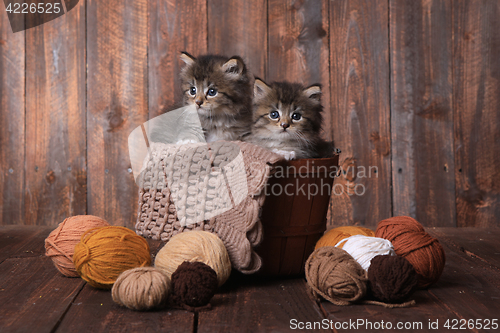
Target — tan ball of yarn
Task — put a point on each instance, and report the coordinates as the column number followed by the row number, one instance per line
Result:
column 193, row 246
column 333, row 274
column 61, row 242
column 141, row 288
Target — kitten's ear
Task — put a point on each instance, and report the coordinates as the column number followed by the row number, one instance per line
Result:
column 234, row 66
column 260, row 89
column 313, row 92
column 187, row 58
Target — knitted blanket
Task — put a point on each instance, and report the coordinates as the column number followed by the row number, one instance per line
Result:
column 215, row 187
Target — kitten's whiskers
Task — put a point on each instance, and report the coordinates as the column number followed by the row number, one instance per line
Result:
column 302, row 140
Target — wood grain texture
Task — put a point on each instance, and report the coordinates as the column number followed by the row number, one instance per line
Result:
column 476, row 100
column 55, row 120
column 421, row 111
column 239, row 28
column 359, row 76
column 94, row 311
column 427, row 308
column 259, row 305
column 116, row 104
column 174, row 26
column 22, row 241
column 12, row 118
column 469, row 287
column 478, row 243
column 36, row 294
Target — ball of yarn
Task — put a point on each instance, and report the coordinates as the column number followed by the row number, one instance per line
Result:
column 391, row 279
column 333, row 274
column 364, row 248
column 61, row 242
column 141, row 288
column 104, row 253
column 193, row 284
column 335, row 235
column 412, row 242
column 191, row 246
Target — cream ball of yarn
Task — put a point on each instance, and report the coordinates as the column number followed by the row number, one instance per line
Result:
column 364, row 248
column 201, row 246
column 141, row 288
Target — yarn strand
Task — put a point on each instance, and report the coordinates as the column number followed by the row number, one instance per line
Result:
column 390, row 305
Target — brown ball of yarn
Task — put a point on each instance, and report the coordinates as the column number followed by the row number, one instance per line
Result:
column 391, row 279
column 333, row 274
column 412, row 242
column 141, row 288
column 193, row 284
column 61, row 242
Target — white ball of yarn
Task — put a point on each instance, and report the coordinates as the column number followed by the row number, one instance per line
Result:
column 364, row 248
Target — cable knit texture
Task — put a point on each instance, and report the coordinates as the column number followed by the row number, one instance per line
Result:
column 200, row 186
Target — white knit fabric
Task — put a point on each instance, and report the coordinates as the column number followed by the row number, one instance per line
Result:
column 364, row 248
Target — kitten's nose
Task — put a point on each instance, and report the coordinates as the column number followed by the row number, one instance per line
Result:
column 285, row 125
column 198, row 101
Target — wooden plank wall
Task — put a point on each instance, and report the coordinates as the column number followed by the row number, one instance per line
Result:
column 411, row 90
column 12, row 123
column 55, row 138
column 360, row 113
column 421, row 54
column 117, row 102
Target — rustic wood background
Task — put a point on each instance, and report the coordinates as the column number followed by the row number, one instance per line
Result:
column 411, row 87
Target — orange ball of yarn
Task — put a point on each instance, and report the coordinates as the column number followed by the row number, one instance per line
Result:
column 104, row 253
column 335, row 235
column 61, row 242
column 411, row 241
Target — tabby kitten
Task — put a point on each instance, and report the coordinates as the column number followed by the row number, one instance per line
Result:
column 287, row 120
column 221, row 90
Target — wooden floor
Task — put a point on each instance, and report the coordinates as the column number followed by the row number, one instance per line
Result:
column 34, row 297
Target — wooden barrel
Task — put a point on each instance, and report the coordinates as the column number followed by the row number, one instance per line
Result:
column 294, row 213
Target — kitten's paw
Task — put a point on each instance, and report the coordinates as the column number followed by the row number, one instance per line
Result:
column 185, row 141
column 288, row 155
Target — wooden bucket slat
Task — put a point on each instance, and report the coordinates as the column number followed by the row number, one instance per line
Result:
column 293, row 224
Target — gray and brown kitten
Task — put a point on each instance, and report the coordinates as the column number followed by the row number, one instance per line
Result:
column 221, row 89
column 287, row 119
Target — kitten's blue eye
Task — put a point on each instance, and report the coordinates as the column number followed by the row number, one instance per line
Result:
column 192, row 91
column 274, row 115
column 212, row 92
column 296, row 116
